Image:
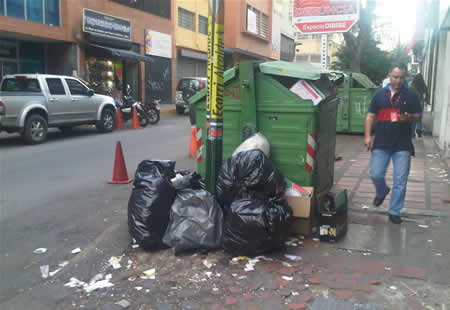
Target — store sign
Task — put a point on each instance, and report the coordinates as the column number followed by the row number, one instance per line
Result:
column 325, row 16
column 105, row 25
column 158, row 44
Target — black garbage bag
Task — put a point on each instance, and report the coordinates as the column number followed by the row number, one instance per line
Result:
column 196, row 222
column 188, row 180
column 255, row 227
column 250, row 175
column 150, row 202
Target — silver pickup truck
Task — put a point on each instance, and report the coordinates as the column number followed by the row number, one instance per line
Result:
column 31, row 103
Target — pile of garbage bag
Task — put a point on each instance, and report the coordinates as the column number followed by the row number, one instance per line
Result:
column 248, row 215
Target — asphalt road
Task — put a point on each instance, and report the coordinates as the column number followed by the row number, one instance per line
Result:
column 55, row 195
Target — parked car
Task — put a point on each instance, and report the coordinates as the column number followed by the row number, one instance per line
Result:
column 31, row 103
column 194, row 84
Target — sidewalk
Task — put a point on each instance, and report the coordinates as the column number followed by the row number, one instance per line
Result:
column 388, row 266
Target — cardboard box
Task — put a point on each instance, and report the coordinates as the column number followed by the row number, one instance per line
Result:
column 301, row 206
column 301, row 211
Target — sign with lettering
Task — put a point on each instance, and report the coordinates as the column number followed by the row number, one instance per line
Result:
column 106, row 25
column 325, row 16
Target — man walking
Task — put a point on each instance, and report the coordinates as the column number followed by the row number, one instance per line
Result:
column 392, row 109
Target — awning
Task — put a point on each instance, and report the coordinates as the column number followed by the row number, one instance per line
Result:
column 123, row 53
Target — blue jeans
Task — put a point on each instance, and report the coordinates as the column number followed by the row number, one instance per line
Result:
column 379, row 163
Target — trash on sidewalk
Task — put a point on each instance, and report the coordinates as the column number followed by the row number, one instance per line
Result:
column 96, row 283
column 40, row 251
column 287, row 278
column 208, row 264
column 76, row 251
column 254, row 142
column 44, row 271
column 301, row 204
column 63, row 264
column 188, row 180
column 114, row 261
column 74, row 282
column 333, row 216
column 150, row 202
column 254, row 227
column 52, row 273
column 292, row 257
column 196, row 222
column 123, row 303
column 248, row 175
column 149, row 274
column 423, row 226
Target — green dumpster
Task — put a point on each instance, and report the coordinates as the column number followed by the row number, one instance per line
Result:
column 302, row 135
column 355, row 92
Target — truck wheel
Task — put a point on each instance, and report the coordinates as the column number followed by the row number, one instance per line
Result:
column 180, row 110
column 107, row 121
column 35, row 130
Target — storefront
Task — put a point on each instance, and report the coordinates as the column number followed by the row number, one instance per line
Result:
column 111, row 58
column 21, row 57
column 158, row 72
column 191, row 64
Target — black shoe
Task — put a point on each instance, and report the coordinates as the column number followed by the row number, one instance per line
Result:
column 379, row 201
column 419, row 133
column 396, row 219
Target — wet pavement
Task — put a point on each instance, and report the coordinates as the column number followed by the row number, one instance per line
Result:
column 378, row 265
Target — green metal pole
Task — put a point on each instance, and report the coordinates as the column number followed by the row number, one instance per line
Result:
column 214, row 106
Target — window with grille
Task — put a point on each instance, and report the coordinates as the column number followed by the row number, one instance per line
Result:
column 257, row 22
column 203, row 24
column 186, row 19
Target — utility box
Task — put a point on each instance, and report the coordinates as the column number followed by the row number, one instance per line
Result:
column 293, row 106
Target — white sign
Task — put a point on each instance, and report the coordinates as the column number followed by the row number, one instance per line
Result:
column 325, row 16
column 158, row 44
column 306, row 91
column 252, row 26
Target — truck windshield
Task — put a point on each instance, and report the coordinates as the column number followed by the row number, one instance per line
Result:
column 21, row 85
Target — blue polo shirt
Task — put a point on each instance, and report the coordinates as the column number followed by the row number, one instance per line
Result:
column 393, row 136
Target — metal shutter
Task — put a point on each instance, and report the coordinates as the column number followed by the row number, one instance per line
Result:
column 202, row 69
column 185, row 67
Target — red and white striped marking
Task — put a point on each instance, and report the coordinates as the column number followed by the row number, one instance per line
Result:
column 198, row 136
column 311, row 152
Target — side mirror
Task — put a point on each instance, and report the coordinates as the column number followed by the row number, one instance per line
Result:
column 90, row 92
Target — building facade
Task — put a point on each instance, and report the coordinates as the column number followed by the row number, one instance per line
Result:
column 191, row 38
column 308, row 48
column 108, row 43
column 434, row 61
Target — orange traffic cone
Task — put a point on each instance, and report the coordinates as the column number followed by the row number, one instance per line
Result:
column 119, row 123
column 193, row 144
column 135, row 120
column 120, row 174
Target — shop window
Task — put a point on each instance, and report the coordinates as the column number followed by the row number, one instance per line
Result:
column 75, row 87
column 257, row 22
column 55, row 86
column 8, row 49
column 186, row 19
column 34, row 11
column 52, row 12
column 203, row 24
column 15, row 8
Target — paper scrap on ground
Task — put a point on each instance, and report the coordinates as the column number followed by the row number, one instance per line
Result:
column 76, row 251
column 44, row 271
column 208, row 264
column 40, row 251
column 130, row 262
column 63, row 264
column 95, row 285
column 292, row 257
column 138, row 288
column 52, row 273
column 114, row 261
column 394, row 288
column 74, row 282
column 149, row 274
column 423, row 226
column 287, row 278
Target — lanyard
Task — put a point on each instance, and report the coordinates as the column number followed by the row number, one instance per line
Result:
column 396, row 101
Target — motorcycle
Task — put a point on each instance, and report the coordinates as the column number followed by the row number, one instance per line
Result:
column 127, row 109
column 153, row 110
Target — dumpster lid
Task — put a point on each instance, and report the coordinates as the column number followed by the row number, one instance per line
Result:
column 290, row 69
column 227, row 75
column 363, row 80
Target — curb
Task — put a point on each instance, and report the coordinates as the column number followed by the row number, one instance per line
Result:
column 167, row 112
